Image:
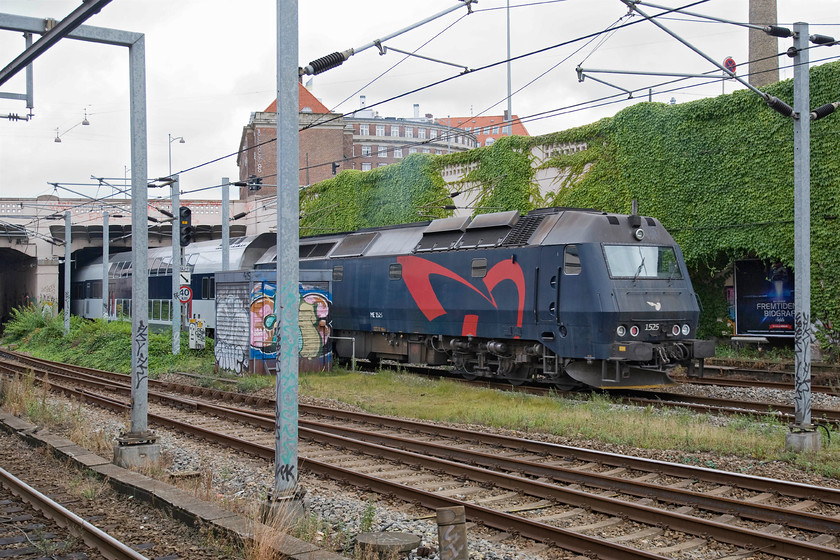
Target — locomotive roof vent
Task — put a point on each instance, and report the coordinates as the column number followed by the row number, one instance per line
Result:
column 355, row 245
column 442, row 234
column 524, row 229
column 488, row 230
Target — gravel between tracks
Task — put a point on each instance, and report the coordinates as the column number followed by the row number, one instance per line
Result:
column 237, row 481
column 130, row 521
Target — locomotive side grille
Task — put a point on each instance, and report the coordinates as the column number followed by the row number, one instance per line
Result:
column 523, row 230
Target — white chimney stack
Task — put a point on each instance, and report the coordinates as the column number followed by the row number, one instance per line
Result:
column 361, row 101
column 416, row 110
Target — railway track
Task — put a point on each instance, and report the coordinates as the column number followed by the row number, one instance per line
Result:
column 35, row 525
column 591, row 502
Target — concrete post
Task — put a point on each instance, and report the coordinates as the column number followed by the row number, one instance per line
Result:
column 452, row 533
column 138, row 447
column 287, row 301
column 803, row 435
column 67, row 255
column 106, row 241
column 176, row 265
column 225, row 223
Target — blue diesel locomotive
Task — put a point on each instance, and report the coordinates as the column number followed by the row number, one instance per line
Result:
column 565, row 297
column 561, row 296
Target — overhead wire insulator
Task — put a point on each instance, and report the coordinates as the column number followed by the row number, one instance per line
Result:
column 777, row 31
column 822, row 40
column 779, row 106
column 824, row 110
column 326, row 62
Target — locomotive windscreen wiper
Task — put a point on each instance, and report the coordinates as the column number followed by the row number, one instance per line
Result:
column 641, row 265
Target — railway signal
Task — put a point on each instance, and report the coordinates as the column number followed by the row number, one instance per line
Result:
column 185, row 225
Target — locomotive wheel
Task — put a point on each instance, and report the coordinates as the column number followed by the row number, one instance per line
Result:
column 519, row 375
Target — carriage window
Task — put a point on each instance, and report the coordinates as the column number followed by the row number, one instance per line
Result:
column 338, row 273
column 208, row 288
column 395, row 271
column 571, row 261
column 479, row 268
column 640, row 261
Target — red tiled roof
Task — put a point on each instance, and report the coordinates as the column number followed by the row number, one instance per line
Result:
column 476, row 125
column 306, row 99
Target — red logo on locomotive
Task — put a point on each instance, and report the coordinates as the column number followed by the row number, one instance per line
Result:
column 417, row 274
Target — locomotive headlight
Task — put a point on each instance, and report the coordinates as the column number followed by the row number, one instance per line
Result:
column 685, row 330
column 639, row 234
column 675, row 330
column 621, row 330
column 634, row 331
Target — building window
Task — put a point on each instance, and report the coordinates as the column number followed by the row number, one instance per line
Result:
column 506, row 130
column 489, row 142
column 412, row 150
column 421, row 133
column 380, row 130
column 439, row 152
column 459, row 140
column 366, row 166
column 383, row 151
column 395, row 130
column 495, row 130
column 365, row 150
column 486, row 130
column 433, row 134
column 409, row 132
column 364, row 130
column 398, row 152
column 426, row 150
column 382, row 165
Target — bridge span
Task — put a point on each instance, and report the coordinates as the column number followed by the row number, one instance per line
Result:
column 32, row 238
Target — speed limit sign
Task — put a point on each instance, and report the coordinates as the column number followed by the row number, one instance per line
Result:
column 185, row 294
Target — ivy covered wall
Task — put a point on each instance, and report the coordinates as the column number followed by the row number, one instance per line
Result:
column 717, row 172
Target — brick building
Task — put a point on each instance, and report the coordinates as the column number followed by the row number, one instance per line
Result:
column 363, row 141
column 378, row 141
column 319, row 146
column 487, row 129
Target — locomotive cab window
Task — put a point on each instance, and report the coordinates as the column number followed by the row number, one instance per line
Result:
column 571, row 261
column 479, row 268
column 642, row 261
column 395, row 271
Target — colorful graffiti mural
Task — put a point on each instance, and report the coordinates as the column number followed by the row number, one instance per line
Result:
column 248, row 327
column 313, row 322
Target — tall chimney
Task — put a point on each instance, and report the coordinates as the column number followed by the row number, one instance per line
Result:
column 416, row 110
column 361, row 102
column 763, row 63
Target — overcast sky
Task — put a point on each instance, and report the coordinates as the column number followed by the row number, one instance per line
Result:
column 211, row 63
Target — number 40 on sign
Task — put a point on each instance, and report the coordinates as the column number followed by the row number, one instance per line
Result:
column 185, row 294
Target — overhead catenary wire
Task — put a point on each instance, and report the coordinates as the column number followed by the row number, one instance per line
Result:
column 531, row 118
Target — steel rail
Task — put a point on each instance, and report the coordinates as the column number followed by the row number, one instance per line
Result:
column 720, row 504
column 94, row 537
column 746, row 538
column 729, row 406
column 761, row 484
column 780, row 385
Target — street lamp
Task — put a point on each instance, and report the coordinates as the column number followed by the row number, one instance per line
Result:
column 172, row 139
